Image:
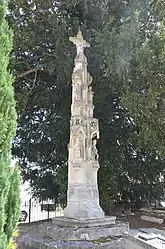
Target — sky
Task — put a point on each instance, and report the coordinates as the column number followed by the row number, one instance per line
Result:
column 25, row 188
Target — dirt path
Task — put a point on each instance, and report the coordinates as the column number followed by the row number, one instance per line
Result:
column 136, row 222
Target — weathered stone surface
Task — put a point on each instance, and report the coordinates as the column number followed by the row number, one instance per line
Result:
column 34, row 241
column 43, row 235
column 152, row 219
column 83, row 164
column 83, row 202
column 144, row 239
column 87, row 233
column 67, row 222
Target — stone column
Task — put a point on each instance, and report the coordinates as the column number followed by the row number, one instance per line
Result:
column 83, row 165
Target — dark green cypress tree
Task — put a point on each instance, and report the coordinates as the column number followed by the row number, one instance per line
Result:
column 9, row 182
column 13, row 204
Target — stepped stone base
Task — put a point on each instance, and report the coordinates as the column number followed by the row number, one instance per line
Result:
column 93, row 230
column 37, row 242
column 76, row 234
column 67, row 222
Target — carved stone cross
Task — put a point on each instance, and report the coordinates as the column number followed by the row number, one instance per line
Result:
column 79, row 42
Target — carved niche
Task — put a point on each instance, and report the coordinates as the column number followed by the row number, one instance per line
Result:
column 90, row 95
column 94, row 126
column 77, row 122
column 79, row 146
column 89, row 79
column 95, row 154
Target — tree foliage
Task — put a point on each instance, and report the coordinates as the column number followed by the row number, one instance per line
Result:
column 13, row 203
column 7, row 132
column 139, row 57
column 126, row 58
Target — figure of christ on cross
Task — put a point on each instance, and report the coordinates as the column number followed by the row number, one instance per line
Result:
column 79, row 42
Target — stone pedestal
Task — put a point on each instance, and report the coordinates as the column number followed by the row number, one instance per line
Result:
column 83, row 202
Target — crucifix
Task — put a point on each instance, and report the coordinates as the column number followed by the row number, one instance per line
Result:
column 79, row 42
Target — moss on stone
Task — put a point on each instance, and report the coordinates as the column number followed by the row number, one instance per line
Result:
column 102, row 240
column 95, row 241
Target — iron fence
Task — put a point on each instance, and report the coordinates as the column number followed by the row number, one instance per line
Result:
column 33, row 210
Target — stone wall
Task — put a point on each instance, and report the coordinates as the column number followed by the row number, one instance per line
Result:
column 25, row 228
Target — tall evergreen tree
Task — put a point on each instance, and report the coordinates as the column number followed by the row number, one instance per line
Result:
column 13, row 203
column 9, row 183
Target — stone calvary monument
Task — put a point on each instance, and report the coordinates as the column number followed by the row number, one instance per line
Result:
column 83, row 195
column 84, row 224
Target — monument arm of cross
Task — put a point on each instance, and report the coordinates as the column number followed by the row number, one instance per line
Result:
column 79, row 42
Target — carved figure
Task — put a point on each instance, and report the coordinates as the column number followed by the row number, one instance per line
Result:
column 79, row 148
column 76, row 93
column 90, row 95
column 93, row 125
column 77, row 152
column 79, row 42
column 89, row 79
column 95, row 154
column 90, row 112
column 82, row 105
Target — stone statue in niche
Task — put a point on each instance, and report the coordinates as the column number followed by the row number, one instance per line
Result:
column 77, row 151
column 95, row 155
column 76, row 93
column 81, row 142
column 79, row 148
column 89, row 77
column 90, row 95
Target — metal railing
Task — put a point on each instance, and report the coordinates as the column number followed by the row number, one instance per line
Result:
column 33, row 210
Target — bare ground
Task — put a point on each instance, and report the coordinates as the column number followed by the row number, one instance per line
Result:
column 136, row 222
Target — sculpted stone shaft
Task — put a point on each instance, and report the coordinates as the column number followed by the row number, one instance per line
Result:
column 83, row 195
